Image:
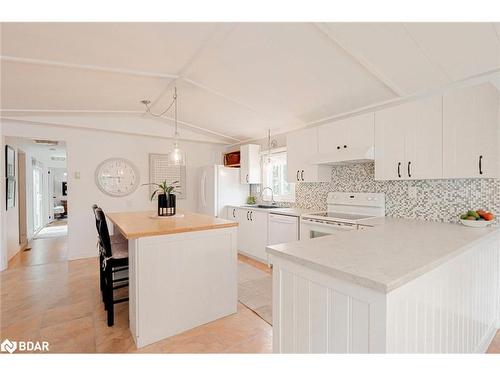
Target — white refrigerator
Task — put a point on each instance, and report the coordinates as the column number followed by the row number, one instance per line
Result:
column 219, row 187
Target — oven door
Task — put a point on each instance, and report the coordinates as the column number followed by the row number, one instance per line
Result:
column 316, row 228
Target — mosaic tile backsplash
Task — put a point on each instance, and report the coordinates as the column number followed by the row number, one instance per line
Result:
column 436, row 200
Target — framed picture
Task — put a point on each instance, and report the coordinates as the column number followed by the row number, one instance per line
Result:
column 10, row 162
column 11, row 192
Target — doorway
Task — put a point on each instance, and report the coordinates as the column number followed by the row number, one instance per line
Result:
column 23, row 222
column 37, row 196
column 39, row 232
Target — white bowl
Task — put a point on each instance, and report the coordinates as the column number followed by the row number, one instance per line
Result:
column 475, row 223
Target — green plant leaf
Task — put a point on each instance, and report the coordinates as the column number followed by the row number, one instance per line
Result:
column 151, row 183
column 153, row 195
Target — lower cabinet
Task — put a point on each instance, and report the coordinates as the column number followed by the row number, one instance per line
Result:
column 252, row 231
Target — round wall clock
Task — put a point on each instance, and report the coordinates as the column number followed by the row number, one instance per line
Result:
column 117, row 177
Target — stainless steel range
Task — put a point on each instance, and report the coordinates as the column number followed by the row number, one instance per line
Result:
column 346, row 211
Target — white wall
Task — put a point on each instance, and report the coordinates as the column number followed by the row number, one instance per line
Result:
column 86, row 149
column 3, row 235
column 12, row 214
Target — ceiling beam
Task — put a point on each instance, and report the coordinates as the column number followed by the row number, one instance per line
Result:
column 7, row 111
column 476, row 79
column 199, row 128
column 434, row 63
column 361, row 60
column 496, row 29
column 182, row 73
column 105, row 69
column 49, row 123
column 202, row 47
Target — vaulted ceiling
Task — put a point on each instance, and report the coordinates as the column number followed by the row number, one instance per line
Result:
column 235, row 81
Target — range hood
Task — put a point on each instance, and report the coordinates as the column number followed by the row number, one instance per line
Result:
column 343, row 156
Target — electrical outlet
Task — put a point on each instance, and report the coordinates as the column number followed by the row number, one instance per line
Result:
column 77, row 175
column 412, row 192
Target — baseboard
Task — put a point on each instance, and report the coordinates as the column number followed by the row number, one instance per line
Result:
column 488, row 337
column 252, row 257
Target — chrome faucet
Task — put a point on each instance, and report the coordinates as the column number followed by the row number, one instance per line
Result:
column 272, row 195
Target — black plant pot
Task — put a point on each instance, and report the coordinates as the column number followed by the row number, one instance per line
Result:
column 166, row 204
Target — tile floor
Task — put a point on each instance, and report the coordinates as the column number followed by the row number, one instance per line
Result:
column 45, row 297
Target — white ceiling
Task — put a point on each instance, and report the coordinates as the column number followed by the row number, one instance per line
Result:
column 235, row 81
column 41, row 152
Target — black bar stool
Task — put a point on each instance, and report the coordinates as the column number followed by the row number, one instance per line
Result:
column 113, row 258
column 117, row 238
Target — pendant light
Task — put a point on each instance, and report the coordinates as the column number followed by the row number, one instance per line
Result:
column 176, row 156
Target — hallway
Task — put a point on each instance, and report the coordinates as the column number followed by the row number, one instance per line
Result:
column 48, row 246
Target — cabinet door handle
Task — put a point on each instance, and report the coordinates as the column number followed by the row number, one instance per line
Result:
column 338, row 147
column 399, row 169
column 302, row 175
column 409, row 169
column 248, row 213
column 247, row 178
column 234, row 213
column 251, row 215
column 298, row 175
column 345, row 146
column 480, row 164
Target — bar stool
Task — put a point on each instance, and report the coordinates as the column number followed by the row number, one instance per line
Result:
column 117, row 238
column 113, row 258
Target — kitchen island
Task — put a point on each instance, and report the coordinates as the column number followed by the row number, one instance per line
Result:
column 401, row 286
column 182, row 271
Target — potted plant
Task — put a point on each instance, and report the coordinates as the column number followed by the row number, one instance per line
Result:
column 166, row 197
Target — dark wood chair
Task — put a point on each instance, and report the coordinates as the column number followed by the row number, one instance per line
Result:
column 113, row 258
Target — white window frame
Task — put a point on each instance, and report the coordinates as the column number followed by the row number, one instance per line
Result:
column 266, row 195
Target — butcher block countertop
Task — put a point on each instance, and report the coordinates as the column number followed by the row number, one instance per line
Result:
column 142, row 224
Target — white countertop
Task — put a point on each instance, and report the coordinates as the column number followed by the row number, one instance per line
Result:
column 385, row 256
column 278, row 210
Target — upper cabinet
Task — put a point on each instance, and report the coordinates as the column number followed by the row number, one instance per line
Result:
column 408, row 141
column 250, row 164
column 349, row 139
column 302, row 147
column 470, row 132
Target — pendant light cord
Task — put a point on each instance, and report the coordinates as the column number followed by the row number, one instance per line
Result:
column 176, row 134
column 173, row 103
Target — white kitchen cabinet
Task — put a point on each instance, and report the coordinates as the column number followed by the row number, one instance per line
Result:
column 470, row 132
column 302, row 147
column 250, row 164
column 408, row 141
column 252, row 231
column 346, row 139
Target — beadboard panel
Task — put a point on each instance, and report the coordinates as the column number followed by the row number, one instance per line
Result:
column 452, row 309
column 319, row 314
column 181, row 281
column 455, row 308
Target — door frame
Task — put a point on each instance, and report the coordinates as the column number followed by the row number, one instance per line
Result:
column 22, row 202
